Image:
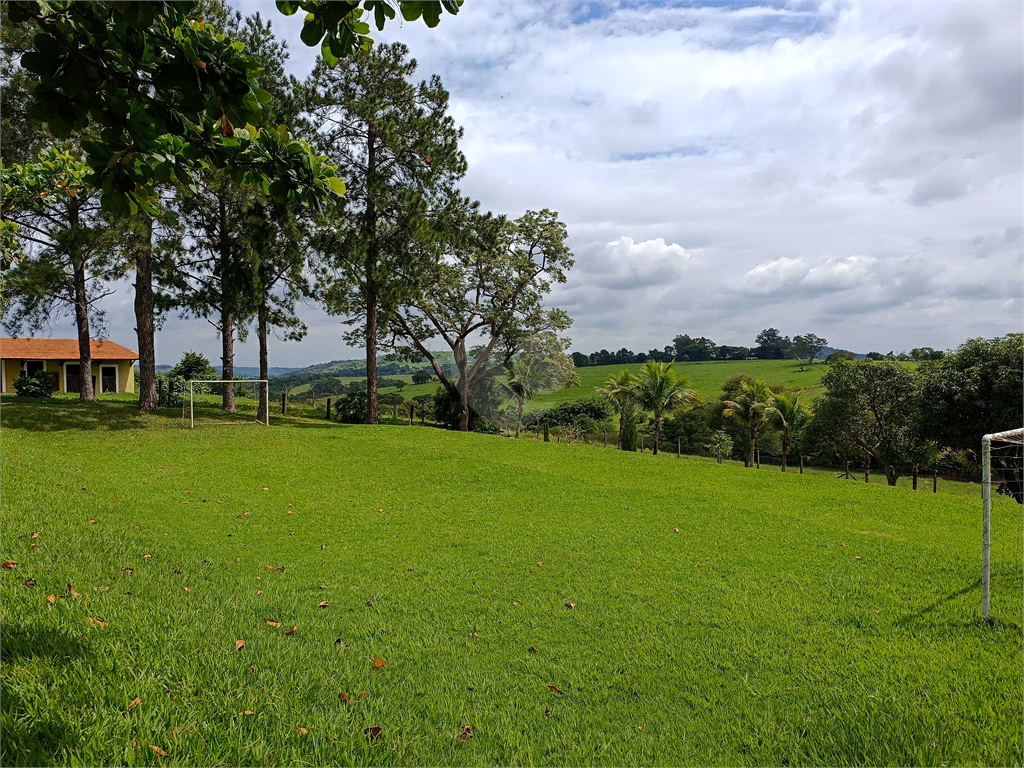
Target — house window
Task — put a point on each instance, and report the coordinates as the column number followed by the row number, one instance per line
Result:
column 32, row 367
column 108, row 378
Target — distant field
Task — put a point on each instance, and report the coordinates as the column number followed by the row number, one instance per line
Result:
column 564, row 605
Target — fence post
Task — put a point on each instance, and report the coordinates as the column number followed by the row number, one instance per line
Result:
column 328, row 409
column 284, row 403
column 159, row 392
column 412, row 412
column 867, row 469
column 801, row 464
column 935, row 481
column 547, row 437
column 718, row 452
column 538, row 430
column 913, row 475
column 757, row 458
column 679, row 449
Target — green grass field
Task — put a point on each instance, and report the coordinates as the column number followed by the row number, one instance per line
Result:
column 790, row 620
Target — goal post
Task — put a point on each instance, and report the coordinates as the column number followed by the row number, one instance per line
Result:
column 1013, row 440
column 191, row 395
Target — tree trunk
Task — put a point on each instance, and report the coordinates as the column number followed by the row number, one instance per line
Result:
column 913, row 474
column 372, row 409
column 891, row 474
column 785, row 450
column 519, row 417
column 464, row 401
column 657, row 433
column 145, row 323
column 87, row 392
column 622, row 424
column 749, row 460
column 370, row 226
column 227, row 340
column 261, row 331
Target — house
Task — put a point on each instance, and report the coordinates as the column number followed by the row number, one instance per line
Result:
column 112, row 364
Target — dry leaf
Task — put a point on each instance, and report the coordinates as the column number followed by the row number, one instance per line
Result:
column 292, row 631
column 91, row 521
column 238, row 559
column 159, row 752
column 274, row 623
column 129, row 571
column 555, row 689
column 532, row 649
column 515, row 605
column 467, row 733
column 379, row 663
column 343, row 697
column 323, row 546
column 301, row 731
column 571, row 606
column 247, row 713
column 266, row 489
column 676, row 530
column 547, row 713
column 9, row 565
column 340, row 642
column 276, row 570
column 105, row 589
column 323, row 586
column 362, row 695
column 373, row 732
column 135, row 702
column 51, row 599
column 35, row 534
column 72, row 594
column 370, row 602
column 177, row 571
column 540, row 565
column 97, row 622
column 147, row 557
column 239, row 645
column 259, row 591
column 323, row 604
column 858, row 557
column 186, row 589
column 473, row 634
column 30, row 583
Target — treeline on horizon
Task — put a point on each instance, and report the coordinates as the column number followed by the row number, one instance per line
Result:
column 769, row 345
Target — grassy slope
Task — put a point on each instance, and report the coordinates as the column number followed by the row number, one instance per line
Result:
column 781, row 647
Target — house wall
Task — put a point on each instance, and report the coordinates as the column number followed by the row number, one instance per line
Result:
column 11, row 369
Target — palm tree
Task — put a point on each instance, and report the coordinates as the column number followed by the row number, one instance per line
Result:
column 658, row 389
column 788, row 416
column 619, row 391
column 749, row 408
column 525, row 379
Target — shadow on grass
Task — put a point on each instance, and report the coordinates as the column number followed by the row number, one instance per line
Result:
column 18, row 643
column 921, row 617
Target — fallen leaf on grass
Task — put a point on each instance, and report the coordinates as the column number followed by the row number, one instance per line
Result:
column 379, row 663
column 177, row 571
column 51, row 599
column 147, row 557
column 135, row 702
column 555, row 689
column 91, row 521
column 71, row 593
column 540, row 565
column 323, row 586
column 547, row 712
column 373, row 732
column 30, row 583
column 274, row 623
column 676, row 530
column 467, row 733
column 473, row 634
column 323, row 546
column 239, row 645
column 97, row 622
column 362, row 695
column 571, row 606
column 323, row 604
column 370, row 603
column 858, row 557
column 343, row 697
column 340, row 642
column 9, row 565
column 302, row 731
column 259, row 591
column 35, row 534
column 266, row 489
column 533, row 650
column 159, row 752
column 129, row 571
column 276, row 570
column 246, row 713
column 292, row 631
column 186, row 589
column 515, row 605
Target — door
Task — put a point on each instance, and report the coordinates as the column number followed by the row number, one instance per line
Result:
column 73, row 374
column 108, row 378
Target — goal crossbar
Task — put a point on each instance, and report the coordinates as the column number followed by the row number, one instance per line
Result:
column 1010, row 436
column 191, row 396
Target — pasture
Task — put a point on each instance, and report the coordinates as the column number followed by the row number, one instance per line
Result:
column 479, row 601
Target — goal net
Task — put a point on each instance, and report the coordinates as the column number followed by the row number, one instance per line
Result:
column 1002, row 461
column 247, row 397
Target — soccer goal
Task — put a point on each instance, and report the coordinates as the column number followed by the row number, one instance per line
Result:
column 241, row 387
column 1004, row 453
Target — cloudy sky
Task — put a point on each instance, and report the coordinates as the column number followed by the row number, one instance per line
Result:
column 851, row 170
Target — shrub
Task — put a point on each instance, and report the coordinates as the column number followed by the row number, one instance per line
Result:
column 39, row 385
column 350, row 408
column 596, row 408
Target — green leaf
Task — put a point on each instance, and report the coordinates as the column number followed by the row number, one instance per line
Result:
column 325, row 50
column 262, row 96
column 336, row 185
column 411, row 9
column 287, row 7
column 432, row 13
column 312, row 32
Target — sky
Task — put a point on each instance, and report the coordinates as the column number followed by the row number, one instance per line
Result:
column 852, row 170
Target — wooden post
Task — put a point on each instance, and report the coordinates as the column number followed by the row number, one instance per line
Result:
column 718, row 451
column 867, row 468
column 757, row 458
column 160, row 392
column 412, row 412
column 935, row 481
column 801, row 464
column 913, row 475
column 312, row 394
column 284, row 403
column 538, row 431
column 847, row 470
column 547, row 436
column 679, row 449
column 328, row 409
column 558, row 439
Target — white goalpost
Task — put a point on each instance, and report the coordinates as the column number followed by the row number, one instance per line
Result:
column 1008, row 445
column 237, row 382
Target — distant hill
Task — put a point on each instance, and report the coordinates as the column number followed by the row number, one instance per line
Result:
column 347, row 369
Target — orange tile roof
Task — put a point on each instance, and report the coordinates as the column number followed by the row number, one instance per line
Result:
column 61, row 349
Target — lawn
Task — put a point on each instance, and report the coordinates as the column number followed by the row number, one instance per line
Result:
column 790, row 620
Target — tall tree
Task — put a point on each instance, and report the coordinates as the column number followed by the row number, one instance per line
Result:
column 808, row 346
column 63, row 248
column 620, row 390
column 749, row 408
column 492, row 283
column 871, row 408
column 399, row 151
column 788, row 416
column 658, row 390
